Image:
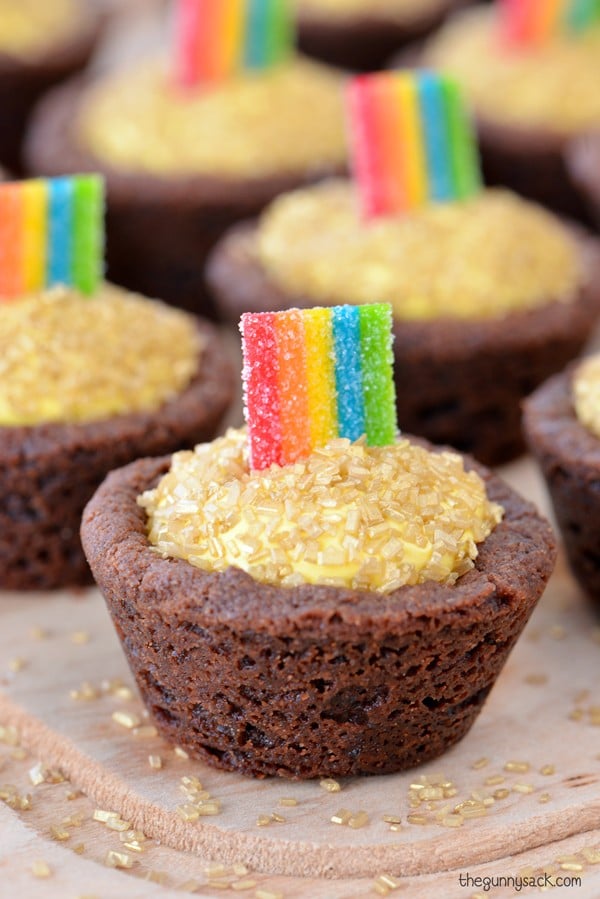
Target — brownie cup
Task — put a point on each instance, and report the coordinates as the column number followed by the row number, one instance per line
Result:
column 569, row 456
column 584, row 168
column 529, row 104
column 362, row 36
column 48, row 471
column 311, row 680
column 459, row 380
column 40, row 45
column 182, row 168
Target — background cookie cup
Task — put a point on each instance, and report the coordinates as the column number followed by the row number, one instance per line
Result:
column 160, row 227
column 49, row 471
column 24, row 77
column 584, row 168
column 569, row 456
column 311, row 680
column 364, row 39
column 459, row 381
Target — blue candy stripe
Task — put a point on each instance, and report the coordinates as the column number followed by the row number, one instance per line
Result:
column 60, row 231
column 348, row 372
column 438, row 152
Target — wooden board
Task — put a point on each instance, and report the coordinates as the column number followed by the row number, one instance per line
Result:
column 541, row 712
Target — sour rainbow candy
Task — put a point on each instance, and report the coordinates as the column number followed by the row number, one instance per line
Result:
column 214, row 39
column 533, row 22
column 411, row 142
column 51, row 232
column 314, row 374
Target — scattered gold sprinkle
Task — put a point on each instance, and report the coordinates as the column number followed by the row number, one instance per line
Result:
column 480, row 763
column 571, row 866
column 517, row 767
column 117, row 824
column 263, row 820
column 267, row 894
column 115, row 859
column 155, row 761
column 17, row 664
column 180, row 752
column 9, row 735
column 85, row 692
column 103, row 816
column 288, row 801
column 359, row 820
column 522, row 788
column 385, row 884
column 145, row 731
column 240, row 885
column 41, row 869
column 126, row 719
column 79, row 638
column 544, row 797
column 391, row 819
column 188, row 812
column 330, row 785
column 59, row 833
column 547, row 770
column 417, row 819
column 119, row 375
column 38, row 633
column 536, row 679
column 591, row 855
column 453, row 820
column 341, row 817
column 78, row 848
column 402, row 492
column 37, row 774
column 494, row 779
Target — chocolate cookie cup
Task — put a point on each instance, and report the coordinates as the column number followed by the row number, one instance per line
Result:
column 364, row 39
column 569, row 457
column 583, row 161
column 459, row 381
column 24, row 78
column 311, row 680
column 524, row 143
column 160, row 228
column 49, row 471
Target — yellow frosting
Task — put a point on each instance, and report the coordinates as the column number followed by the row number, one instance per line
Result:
column 68, row 358
column 30, row 26
column 485, row 257
column 556, row 86
column 386, row 9
column 288, row 119
column 586, row 393
column 370, row 518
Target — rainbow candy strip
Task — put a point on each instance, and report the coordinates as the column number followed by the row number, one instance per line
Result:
column 314, row 374
column 216, row 38
column 412, row 142
column 535, row 22
column 51, row 232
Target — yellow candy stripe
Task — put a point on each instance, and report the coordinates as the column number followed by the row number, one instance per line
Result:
column 35, row 234
column 320, row 375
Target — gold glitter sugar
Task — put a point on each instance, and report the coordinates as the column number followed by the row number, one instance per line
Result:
column 67, row 358
column 280, row 524
column 436, row 262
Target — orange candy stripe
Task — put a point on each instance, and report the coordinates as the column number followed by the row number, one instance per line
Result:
column 293, row 397
column 11, row 241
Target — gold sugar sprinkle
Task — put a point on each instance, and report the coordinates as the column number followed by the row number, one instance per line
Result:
column 41, row 869
column 59, row 833
column 180, row 752
column 517, row 767
column 591, row 855
column 17, row 664
column 391, row 819
column 358, row 821
column 78, row 848
column 42, row 375
column 267, row 894
column 86, row 692
column 544, row 797
column 116, row 859
column 155, row 761
column 288, row 801
column 536, row 679
column 494, row 779
column 263, row 820
column 79, row 638
column 425, row 503
column 417, row 819
column 341, row 817
column 501, row 794
column 480, row 763
column 103, row 816
column 385, row 884
column 240, row 885
column 145, row 731
column 126, row 719
column 522, row 788
column 330, row 785
column 417, row 263
column 547, row 770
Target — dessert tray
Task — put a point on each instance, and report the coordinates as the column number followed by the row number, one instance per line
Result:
column 519, row 796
